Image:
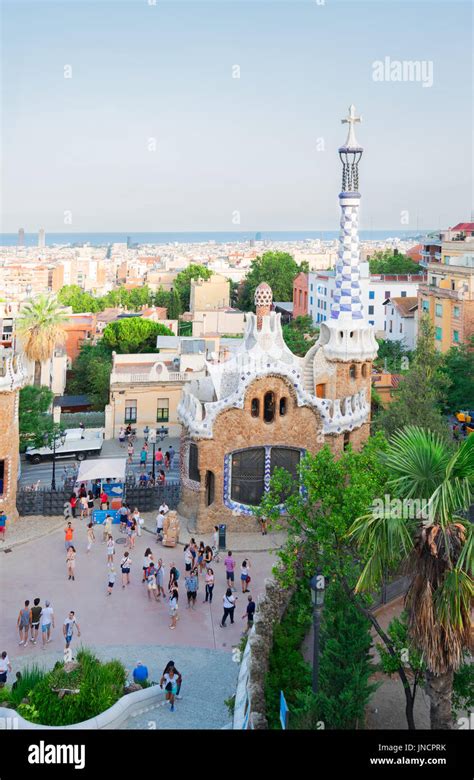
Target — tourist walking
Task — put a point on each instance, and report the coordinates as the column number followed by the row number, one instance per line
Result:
column 68, row 535
column 249, row 613
column 47, row 620
column 132, row 534
column 159, row 457
column 68, row 628
column 35, row 615
column 174, row 577
column 188, row 559
column 110, row 549
column 229, row 564
column 125, row 565
column 143, row 457
column 152, row 587
column 111, row 578
column 5, row 667
column 90, row 503
column 147, row 561
column 23, row 623
column 71, row 562
column 173, row 607
column 178, row 674
column 160, row 519
column 122, row 437
column 170, row 681
column 191, row 583
column 107, row 528
column 104, row 500
column 160, row 578
column 90, row 536
column 200, row 557
column 73, row 503
column 229, row 607
column 146, row 433
column 244, row 575
column 130, row 451
column 207, row 557
column 83, row 503
column 209, row 585
column 123, row 512
column 172, row 454
column 167, row 460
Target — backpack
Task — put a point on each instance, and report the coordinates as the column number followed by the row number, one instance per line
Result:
column 176, row 574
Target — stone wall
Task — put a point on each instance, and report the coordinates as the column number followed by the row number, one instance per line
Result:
column 9, row 452
column 271, row 607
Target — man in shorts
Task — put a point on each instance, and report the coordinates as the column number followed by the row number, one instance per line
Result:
column 229, row 564
column 249, row 613
column 5, row 667
column 47, row 620
column 68, row 628
column 35, row 615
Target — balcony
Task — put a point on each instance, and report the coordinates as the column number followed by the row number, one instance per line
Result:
column 172, row 377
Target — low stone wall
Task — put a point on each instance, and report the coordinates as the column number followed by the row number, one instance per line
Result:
column 132, row 704
column 250, row 707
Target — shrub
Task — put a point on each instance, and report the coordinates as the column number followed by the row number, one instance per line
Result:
column 30, row 678
column 100, row 686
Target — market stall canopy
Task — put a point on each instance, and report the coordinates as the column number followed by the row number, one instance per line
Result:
column 102, row 468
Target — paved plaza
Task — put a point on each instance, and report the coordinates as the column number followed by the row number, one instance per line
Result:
column 127, row 625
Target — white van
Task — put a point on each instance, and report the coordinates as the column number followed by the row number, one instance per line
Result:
column 73, row 447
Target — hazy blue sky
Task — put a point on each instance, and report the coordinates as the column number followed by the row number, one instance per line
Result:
column 225, row 145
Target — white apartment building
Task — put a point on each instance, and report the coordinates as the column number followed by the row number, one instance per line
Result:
column 400, row 321
column 375, row 290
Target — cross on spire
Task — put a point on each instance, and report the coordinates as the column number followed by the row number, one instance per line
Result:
column 351, row 120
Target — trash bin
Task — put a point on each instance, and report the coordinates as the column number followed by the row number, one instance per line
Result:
column 222, row 530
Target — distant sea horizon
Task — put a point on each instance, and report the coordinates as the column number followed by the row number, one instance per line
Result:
column 196, row 237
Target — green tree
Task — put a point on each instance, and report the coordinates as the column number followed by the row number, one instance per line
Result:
column 300, row 335
column 387, row 261
column 320, row 509
column 133, row 335
column 33, row 413
column 345, row 667
column 91, row 373
column 80, row 301
column 41, row 325
column 421, row 392
column 174, row 306
column 278, row 269
column 162, row 298
column 182, row 283
column 392, row 356
column 440, row 551
column 458, row 368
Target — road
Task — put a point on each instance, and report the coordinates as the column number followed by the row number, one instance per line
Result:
column 30, row 473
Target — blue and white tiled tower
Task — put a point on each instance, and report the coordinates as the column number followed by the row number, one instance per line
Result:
column 347, row 302
column 347, row 335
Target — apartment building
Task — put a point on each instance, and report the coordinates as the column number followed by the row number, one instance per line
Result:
column 300, row 295
column 376, row 289
column 448, row 294
column 400, row 320
column 209, row 294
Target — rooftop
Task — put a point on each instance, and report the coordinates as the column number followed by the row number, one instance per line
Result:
column 405, row 306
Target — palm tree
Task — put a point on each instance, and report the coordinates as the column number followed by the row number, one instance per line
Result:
column 438, row 552
column 41, row 325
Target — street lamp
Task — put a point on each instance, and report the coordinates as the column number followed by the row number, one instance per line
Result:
column 317, row 584
column 52, row 441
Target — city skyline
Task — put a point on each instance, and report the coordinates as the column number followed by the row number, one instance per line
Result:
column 154, row 131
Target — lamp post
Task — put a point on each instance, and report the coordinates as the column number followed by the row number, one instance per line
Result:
column 57, row 437
column 317, row 584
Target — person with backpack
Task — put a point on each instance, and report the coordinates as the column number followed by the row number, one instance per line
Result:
column 244, row 575
column 170, row 681
column 125, row 565
column 174, row 577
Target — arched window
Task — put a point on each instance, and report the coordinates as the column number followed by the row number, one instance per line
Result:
column 248, row 476
column 255, row 407
column 321, row 391
column 365, row 370
column 352, row 371
column 347, row 439
column 269, row 407
column 283, row 406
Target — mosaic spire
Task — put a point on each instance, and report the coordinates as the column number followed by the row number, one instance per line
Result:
column 347, row 303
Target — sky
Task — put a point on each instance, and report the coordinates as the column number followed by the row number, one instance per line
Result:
column 153, row 131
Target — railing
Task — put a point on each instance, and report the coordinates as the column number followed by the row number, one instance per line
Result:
column 153, row 376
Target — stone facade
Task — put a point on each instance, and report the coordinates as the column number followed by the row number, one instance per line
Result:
column 12, row 376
